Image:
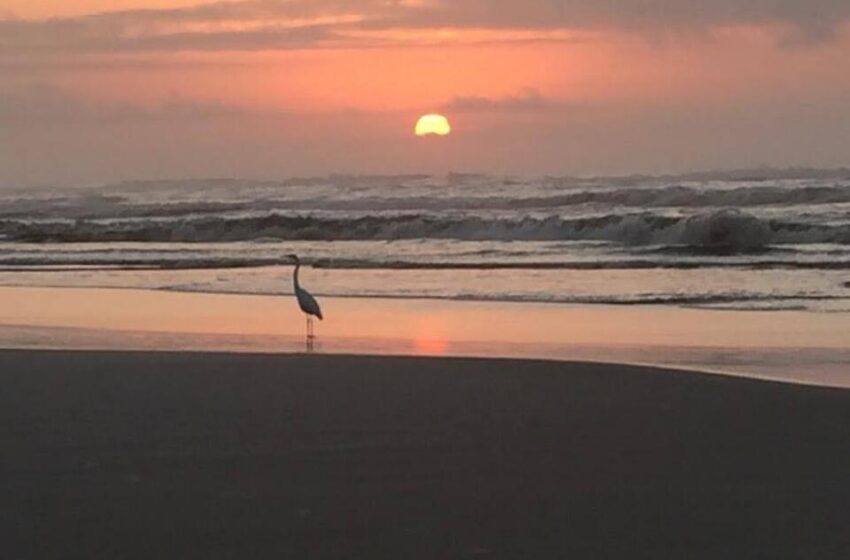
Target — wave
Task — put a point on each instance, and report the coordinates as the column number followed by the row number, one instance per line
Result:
column 742, row 299
column 722, row 231
column 526, row 197
column 664, row 197
column 625, row 264
column 82, row 262
column 674, row 196
column 731, row 299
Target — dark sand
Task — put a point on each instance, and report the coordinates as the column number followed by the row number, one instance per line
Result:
column 154, row 455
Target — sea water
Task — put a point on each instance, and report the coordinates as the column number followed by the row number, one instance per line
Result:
column 754, row 240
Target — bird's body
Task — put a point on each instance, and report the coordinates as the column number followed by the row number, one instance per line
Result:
column 306, row 302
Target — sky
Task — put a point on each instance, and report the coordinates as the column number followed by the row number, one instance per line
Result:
column 96, row 91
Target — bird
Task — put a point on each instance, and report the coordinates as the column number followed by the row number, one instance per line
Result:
column 306, row 302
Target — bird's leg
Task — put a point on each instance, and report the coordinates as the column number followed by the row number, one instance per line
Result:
column 311, row 332
column 310, row 336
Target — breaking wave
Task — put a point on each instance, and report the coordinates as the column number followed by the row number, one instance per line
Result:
column 663, row 197
column 123, row 204
column 721, row 231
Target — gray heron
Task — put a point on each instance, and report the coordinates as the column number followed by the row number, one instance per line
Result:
column 306, row 302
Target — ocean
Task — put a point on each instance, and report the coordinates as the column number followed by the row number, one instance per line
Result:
column 749, row 240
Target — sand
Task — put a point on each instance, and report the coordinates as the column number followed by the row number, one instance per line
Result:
column 181, row 455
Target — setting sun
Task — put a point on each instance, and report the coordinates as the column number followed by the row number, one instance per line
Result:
column 433, row 124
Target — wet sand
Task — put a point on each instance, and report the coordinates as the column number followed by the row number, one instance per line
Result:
column 181, row 455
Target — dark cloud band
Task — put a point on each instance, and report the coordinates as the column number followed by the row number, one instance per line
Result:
column 259, row 24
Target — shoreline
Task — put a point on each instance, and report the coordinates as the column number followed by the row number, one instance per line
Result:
column 710, row 290
column 805, row 347
column 72, row 339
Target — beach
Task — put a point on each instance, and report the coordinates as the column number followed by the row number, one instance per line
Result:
column 424, row 280
column 222, row 455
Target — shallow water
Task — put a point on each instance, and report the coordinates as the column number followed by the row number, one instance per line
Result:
column 796, row 346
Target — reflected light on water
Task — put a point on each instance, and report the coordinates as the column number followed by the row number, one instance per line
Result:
column 430, row 346
column 429, row 334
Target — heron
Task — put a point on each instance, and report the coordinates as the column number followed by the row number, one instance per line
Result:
column 306, row 302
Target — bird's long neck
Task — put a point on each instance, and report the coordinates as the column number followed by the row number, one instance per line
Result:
column 295, row 277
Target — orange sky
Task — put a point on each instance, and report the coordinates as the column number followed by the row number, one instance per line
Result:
column 65, row 8
column 620, row 70
column 571, row 87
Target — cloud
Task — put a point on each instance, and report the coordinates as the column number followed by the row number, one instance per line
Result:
column 46, row 104
column 632, row 14
column 291, row 24
column 120, row 34
column 529, row 100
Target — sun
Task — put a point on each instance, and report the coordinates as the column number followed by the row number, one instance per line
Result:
column 433, row 123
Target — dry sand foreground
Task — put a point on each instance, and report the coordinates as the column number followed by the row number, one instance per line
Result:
column 156, row 455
